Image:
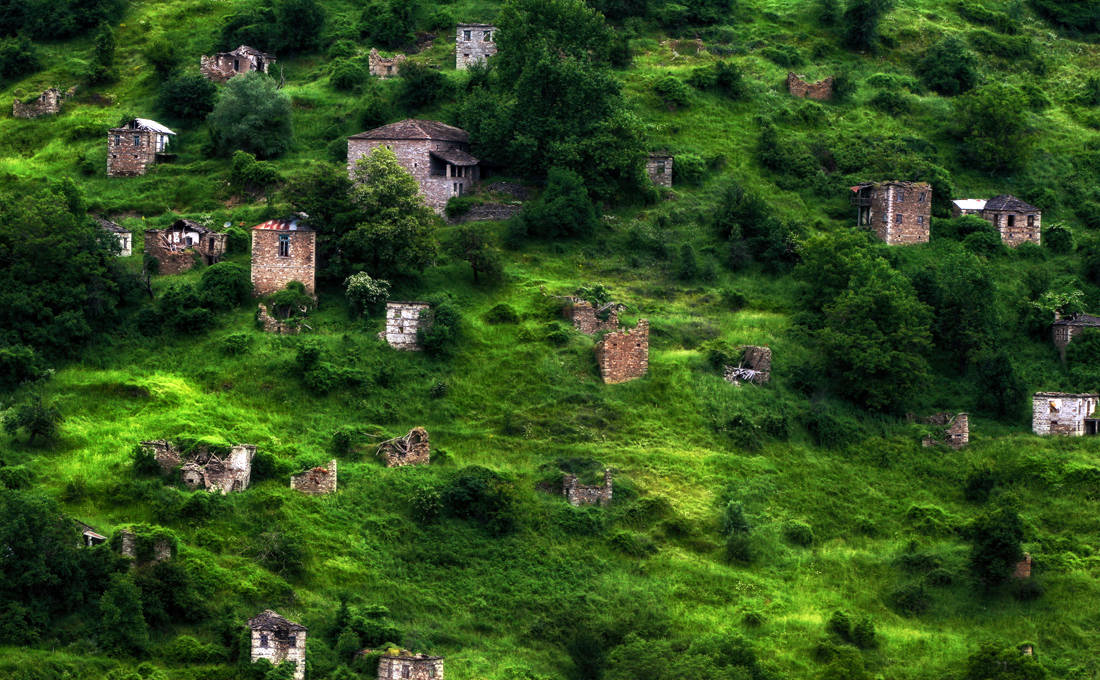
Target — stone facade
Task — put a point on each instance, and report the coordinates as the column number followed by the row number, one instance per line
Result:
column 474, row 44
column 277, row 639
column 755, row 366
column 899, row 212
column 135, row 146
column 624, row 355
column 1023, row 568
column 162, row 548
column 176, row 247
column 206, row 470
column 1063, row 413
column 384, row 67
column 224, row 65
column 46, row 104
column 272, row 325
column 819, row 91
column 1016, row 221
column 124, row 237
column 403, row 320
column 591, row 320
column 659, row 169
column 283, row 251
column 412, row 449
column 317, row 480
column 955, row 433
column 408, row 666
column 166, row 455
column 435, row 154
column 587, row 494
column 1064, row 330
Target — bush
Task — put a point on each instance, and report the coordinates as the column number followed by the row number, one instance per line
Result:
column 225, row 285
column 249, row 174
column 863, row 634
column 420, row 86
column 995, row 539
column 798, row 533
column 500, row 313
column 18, row 58
column 15, row 477
column 632, row 544
column 39, row 420
column 252, row 115
column 479, row 494
column 563, row 208
column 689, row 169
column 187, row 96
column 891, row 102
column 861, row 22
column 910, row 599
column 163, row 55
column 672, row 92
column 236, row 344
column 364, row 293
column 840, row 625
column 948, row 67
column 427, row 505
column 347, row 75
column 19, row 364
column 1059, row 239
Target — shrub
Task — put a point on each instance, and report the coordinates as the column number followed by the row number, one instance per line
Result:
column 347, row 75
column 19, row 364
column 948, row 67
column 187, row 96
column 479, row 494
column 460, row 205
column 290, row 302
column 427, row 505
column 754, row 619
column 15, row 477
column 863, row 634
column 163, row 55
column 364, row 293
column 910, row 599
column 247, row 173
column 252, row 115
column 672, row 92
column 739, row 549
column 40, row 421
column 979, row 484
column 225, row 285
column 995, row 545
column 798, row 533
column 861, row 22
column 563, row 208
column 891, row 102
column 420, row 86
column 1027, row 590
column 632, row 544
column 443, row 330
column 18, row 58
column 939, row 577
column 500, row 313
column 689, row 169
column 984, row 243
column 1059, row 239
column 840, row 625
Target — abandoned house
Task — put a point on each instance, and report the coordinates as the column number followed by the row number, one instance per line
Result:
column 586, row 494
column 755, row 366
column 412, row 449
column 820, row 91
column 224, row 65
column 1065, row 329
column 136, row 145
column 1063, row 413
column 435, row 154
column 283, row 251
column 403, row 320
column 899, row 212
column 176, row 247
column 278, row 639
column 207, row 470
column 955, row 431
column 88, row 535
column 404, row 665
column 143, row 549
column 46, row 104
column 271, row 324
column 624, row 355
column 1017, row 222
column 659, row 169
column 384, row 67
column 589, row 319
column 474, row 44
column 123, row 236
column 318, row 480
column 166, row 455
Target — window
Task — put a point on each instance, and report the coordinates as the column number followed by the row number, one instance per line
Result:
column 431, row 671
column 263, row 639
column 118, row 139
column 236, row 64
column 920, row 219
column 1012, row 220
column 898, row 218
column 1031, row 220
column 189, row 242
column 405, row 671
column 389, row 69
column 920, row 199
column 284, row 245
column 292, row 641
column 137, row 140
column 660, row 167
column 466, row 56
column 900, row 196
column 466, row 35
column 488, row 36
column 211, row 244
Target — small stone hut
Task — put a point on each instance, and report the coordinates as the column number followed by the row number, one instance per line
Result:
column 123, row 236
column 46, row 104
column 316, row 480
column 278, row 639
column 176, row 247
column 160, row 551
column 659, row 168
column 589, row 319
column 755, row 366
column 474, row 44
column 208, row 471
column 955, row 432
column 1065, row 329
column 899, row 212
column 412, row 449
column 224, row 65
column 403, row 320
column 820, row 91
column 135, row 146
column 283, row 251
column 408, row 666
column 1017, row 222
column 1064, row 413
column 437, row 155
column 624, row 355
column 587, row 494
column 384, row 67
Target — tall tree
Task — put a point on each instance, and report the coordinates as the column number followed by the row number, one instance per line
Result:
column 122, row 626
column 252, row 115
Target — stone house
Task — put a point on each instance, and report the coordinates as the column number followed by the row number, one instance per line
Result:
column 474, row 44
column 166, row 455
column 283, row 251
column 272, row 325
column 88, row 535
column 624, row 355
column 123, row 236
column 755, row 366
column 412, row 449
column 1064, row 413
column 316, row 480
column 384, row 67
column 46, row 104
column 820, row 91
column 176, row 247
column 1065, row 329
column 1017, row 222
column 278, row 639
column 955, row 432
column 224, row 65
column 209, row 471
column 586, row 494
column 403, row 320
column 160, row 551
column 435, row 154
column 659, row 169
column 405, row 665
column 589, row 319
column 899, row 212
column 135, row 146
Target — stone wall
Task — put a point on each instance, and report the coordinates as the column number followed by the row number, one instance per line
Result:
column 1061, row 413
column 955, row 433
column 901, row 212
column 278, row 640
column 412, row 449
column 403, row 319
column 624, row 355
column 222, row 66
column 384, row 67
column 271, row 272
column 206, row 470
column 659, row 169
column 586, row 318
column 48, row 103
column 487, row 211
column 1020, row 230
column 317, row 480
column 162, row 549
column 1022, row 570
column 415, row 156
column 755, row 366
column 474, row 44
column 177, row 257
column 130, row 151
column 819, row 91
column 406, row 666
column 587, row 494
column 165, row 454
column 272, row 325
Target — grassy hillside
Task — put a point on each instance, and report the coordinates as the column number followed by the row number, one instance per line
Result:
column 847, row 510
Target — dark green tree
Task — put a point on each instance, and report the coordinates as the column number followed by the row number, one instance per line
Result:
column 472, row 244
column 187, row 96
column 861, row 22
column 102, row 67
column 164, row 55
column 1001, row 391
column 995, row 548
column 252, row 115
column 995, row 662
column 224, row 285
column 421, row 86
column 300, row 24
column 949, row 67
column 994, row 137
column 18, row 57
column 39, row 420
column 391, row 23
column 122, row 628
column 563, row 208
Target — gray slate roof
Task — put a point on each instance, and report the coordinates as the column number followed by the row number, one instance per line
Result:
column 455, row 157
column 1010, row 203
column 413, row 128
column 1086, row 320
column 269, row 620
column 108, row 225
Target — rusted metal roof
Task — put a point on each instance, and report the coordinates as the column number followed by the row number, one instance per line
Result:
column 288, row 224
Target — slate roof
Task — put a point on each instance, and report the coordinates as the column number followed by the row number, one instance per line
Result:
column 245, row 50
column 108, row 225
column 1086, row 320
column 1010, row 203
column 188, row 225
column 269, row 620
column 413, row 128
column 891, row 182
column 455, row 157
column 287, row 224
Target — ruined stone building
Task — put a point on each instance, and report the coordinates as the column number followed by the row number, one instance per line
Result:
column 384, row 67
column 1063, row 413
column 755, row 366
column 283, row 251
column 412, row 449
column 659, row 169
column 474, row 44
column 135, row 146
column 1022, row 570
column 589, row 319
column 277, row 639
column 318, row 480
column 820, row 91
column 435, row 154
column 160, row 550
column 955, row 432
column 206, row 470
column 403, row 320
column 899, row 212
column 46, row 104
column 624, row 355
column 224, row 65
column 123, row 236
column 1017, row 222
column 176, row 247
column 408, row 666
column 272, row 325
column 586, row 494
column 1065, row 329
column 88, row 535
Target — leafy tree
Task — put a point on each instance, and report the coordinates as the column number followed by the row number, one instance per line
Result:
column 443, row 329
column 300, row 24
column 249, row 174
column 187, row 96
column 164, row 56
column 347, row 75
column 102, row 68
column 225, row 285
column 1076, row 16
column 1000, row 389
column 472, row 244
column 363, row 292
column 563, row 208
column 391, row 23
column 994, row 137
column 995, row 545
column 994, row 662
column 421, row 86
column 39, row 420
column 948, row 67
column 479, row 494
column 672, row 92
column 252, row 115
column 122, row 627
column 861, row 22
column 19, row 364
column 18, row 57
